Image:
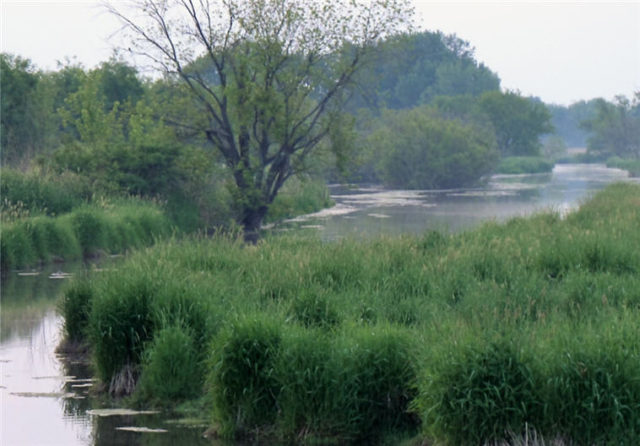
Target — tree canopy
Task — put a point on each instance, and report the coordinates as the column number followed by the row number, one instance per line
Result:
column 277, row 71
column 615, row 127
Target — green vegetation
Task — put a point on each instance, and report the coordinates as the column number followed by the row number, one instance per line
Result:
column 615, row 127
column 85, row 231
column 524, row 164
column 462, row 339
column 633, row 166
column 419, row 149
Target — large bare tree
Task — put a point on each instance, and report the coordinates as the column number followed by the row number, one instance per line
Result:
column 270, row 75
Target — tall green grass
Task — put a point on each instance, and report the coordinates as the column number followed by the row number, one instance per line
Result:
column 475, row 337
column 85, row 231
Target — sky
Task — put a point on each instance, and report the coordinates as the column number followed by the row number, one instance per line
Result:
column 561, row 52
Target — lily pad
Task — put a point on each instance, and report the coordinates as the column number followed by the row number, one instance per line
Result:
column 141, row 429
column 119, row 412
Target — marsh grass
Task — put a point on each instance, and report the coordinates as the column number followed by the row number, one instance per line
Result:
column 478, row 337
column 85, row 231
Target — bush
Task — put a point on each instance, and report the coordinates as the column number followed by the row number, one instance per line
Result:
column 171, row 366
column 418, row 149
column 524, row 164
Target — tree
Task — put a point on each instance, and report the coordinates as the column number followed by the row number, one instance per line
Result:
column 420, row 149
column 19, row 117
column 615, row 127
column 518, row 122
column 269, row 75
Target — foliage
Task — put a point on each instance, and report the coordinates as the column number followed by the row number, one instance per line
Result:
column 524, row 164
column 482, row 395
column 20, row 114
column 411, row 69
column 242, row 379
column 76, row 306
column 299, row 197
column 518, row 122
column 615, row 127
column 172, row 370
column 543, row 308
column 633, row 166
column 87, row 230
column 418, row 149
column 40, row 192
column 567, row 121
column 267, row 75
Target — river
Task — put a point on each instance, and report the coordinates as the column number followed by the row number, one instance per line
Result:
column 46, row 399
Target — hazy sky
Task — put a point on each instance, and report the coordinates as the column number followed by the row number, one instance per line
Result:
column 559, row 51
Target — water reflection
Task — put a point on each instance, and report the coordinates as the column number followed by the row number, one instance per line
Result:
column 45, row 396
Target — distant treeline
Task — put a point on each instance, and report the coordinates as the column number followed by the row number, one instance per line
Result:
column 424, row 113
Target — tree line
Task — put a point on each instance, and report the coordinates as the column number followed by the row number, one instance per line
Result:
column 265, row 92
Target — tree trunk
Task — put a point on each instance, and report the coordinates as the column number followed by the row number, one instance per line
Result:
column 252, row 222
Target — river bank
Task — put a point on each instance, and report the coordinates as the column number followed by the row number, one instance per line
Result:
column 352, row 340
column 90, row 429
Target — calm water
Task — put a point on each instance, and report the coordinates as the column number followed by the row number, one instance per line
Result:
column 371, row 211
column 45, row 398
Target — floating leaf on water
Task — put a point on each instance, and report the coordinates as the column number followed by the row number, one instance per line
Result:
column 119, row 412
column 44, row 394
column 62, row 378
column 141, row 429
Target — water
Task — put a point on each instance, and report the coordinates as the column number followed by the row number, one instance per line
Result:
column 46, row 399
column 367, row 211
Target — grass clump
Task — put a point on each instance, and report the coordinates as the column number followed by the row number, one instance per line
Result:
column 242, row 376
column 75, row 307
column 469, row 338
column 481, row 394
column 172, row 369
